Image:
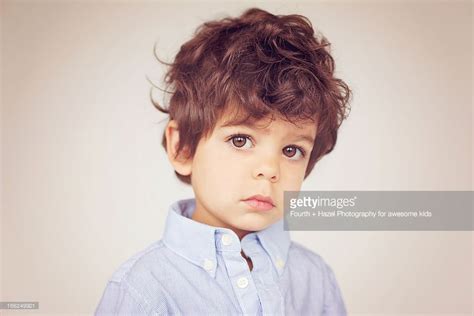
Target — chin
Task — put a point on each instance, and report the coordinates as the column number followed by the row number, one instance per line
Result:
column 254, row 226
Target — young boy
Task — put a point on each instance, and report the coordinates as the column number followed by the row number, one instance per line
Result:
column 254, row 106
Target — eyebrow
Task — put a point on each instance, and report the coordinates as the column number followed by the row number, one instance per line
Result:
column 253, row 126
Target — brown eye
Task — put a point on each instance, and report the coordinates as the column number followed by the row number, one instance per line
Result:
column 239, row 141
column 289, row 151
column 292, row 151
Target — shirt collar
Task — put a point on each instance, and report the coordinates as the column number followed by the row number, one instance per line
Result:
column 197, row 242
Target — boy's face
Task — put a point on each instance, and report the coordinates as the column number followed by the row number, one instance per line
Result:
column 227, row 169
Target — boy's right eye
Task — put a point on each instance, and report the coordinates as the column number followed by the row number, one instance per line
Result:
column 240, row 141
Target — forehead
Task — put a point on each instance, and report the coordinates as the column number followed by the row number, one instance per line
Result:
column 267, row 122
column 256, row 114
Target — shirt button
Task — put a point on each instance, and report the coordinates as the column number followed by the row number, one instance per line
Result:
column 242, row 282
column 208, row 264
column 226, row 240
column 279, row 263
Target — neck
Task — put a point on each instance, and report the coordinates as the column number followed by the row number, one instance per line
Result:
column 201, row 215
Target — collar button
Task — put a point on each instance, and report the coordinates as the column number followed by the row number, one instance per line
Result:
column 208, row 264
column 279, row 263
column 226, row 239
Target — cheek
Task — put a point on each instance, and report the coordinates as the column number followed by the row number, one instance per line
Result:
column 214, row 166
column 292, row 178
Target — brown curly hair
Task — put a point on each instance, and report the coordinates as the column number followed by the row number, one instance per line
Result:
column 263, row 63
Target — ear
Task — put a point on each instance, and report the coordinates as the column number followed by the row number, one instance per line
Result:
column 182, row 165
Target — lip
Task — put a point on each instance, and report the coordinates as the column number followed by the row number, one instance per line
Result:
column 260, row 202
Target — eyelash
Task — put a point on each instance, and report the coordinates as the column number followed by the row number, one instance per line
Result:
column 248, row 137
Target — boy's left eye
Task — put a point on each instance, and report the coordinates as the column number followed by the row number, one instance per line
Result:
column 244, row 141
column 294, row 152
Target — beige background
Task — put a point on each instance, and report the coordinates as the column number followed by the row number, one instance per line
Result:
column 86, row 183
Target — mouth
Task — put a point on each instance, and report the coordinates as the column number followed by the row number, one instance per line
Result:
column 260, row 202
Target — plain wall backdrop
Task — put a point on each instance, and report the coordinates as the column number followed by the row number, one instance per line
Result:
column 86, row 183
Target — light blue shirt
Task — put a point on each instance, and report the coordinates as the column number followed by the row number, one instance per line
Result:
column 197, row 269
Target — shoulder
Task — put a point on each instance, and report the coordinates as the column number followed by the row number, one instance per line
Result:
column 137, row 263
column 310, row 262
column 305, row 255
column 126, row 290
column 308, row 266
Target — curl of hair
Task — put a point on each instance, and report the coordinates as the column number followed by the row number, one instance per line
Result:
column 257, row 64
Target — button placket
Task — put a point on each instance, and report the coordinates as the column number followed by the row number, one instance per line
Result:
column 239, row 274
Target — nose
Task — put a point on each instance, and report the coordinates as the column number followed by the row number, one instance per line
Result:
column 268, row 169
